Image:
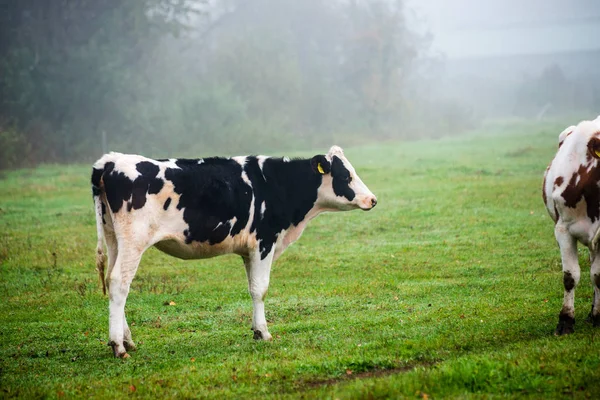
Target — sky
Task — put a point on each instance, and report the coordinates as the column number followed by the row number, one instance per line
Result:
column 480, row 28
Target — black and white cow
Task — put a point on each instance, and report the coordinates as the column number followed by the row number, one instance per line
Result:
column 253, row 206
column 571, row 193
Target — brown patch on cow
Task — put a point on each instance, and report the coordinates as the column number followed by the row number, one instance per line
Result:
column 568, row 281
column 584, row 185
column 559, row 181
column 544, row 196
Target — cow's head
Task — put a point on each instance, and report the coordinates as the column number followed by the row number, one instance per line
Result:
column 341, row 188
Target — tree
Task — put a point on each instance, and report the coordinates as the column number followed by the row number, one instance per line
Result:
column 69, row 68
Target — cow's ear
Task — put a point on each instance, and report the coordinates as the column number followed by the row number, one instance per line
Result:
column 594, row 147
column 320, row 165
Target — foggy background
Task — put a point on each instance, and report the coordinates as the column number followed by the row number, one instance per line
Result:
column 192, row 78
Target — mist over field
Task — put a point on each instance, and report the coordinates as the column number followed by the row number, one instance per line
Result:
column 196, row 77
column 449, row 111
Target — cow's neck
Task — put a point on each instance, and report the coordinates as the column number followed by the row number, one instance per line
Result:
column 297, row 186
column 300, row 184
column 294, row 232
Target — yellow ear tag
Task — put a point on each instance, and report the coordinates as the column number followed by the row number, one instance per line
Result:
column 597, row 153
column 322, row 172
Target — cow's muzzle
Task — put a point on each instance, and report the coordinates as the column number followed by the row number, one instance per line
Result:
column 368, row 203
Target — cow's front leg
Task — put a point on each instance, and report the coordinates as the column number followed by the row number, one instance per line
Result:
column 571, row 273
column 258, row 270
column 595, row 276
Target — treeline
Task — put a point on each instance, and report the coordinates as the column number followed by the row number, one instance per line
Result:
column 180, row 77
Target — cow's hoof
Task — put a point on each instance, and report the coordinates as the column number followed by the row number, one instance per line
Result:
column 595, row 320
column 130, row 346
column 259, row 335
column 118, row 351
column 565, row 325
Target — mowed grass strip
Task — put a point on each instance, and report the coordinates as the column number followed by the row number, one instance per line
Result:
column 450, row 287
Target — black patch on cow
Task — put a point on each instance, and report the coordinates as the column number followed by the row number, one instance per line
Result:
column 565, row 325
column 568, row 281
column 288, row 190
column 96, row 177
column 146, row 183
column 103, row 212
column 167, row 204
column 211, row 193
column 341, row 179
column 119, row 188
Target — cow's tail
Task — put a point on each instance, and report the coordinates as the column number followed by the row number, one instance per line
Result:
column 97, row 191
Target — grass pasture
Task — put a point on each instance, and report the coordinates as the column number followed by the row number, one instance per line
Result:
column 450, row 287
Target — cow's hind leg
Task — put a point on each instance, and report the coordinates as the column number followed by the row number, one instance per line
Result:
column 571, row 274
column 119, row 280
column 112, row 247
column 595, row 276
column 127, row 340
column 258, row 271
column 112, row 250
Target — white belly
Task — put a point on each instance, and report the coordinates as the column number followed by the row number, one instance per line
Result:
column 194, row 250
column 240, row 244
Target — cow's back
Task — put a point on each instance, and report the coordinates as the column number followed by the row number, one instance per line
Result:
column 187, row 208
column 570, row 190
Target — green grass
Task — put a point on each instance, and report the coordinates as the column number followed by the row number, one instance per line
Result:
column 451, row 287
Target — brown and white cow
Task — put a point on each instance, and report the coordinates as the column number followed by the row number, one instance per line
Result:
column 571, row 192
column 252, row 206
